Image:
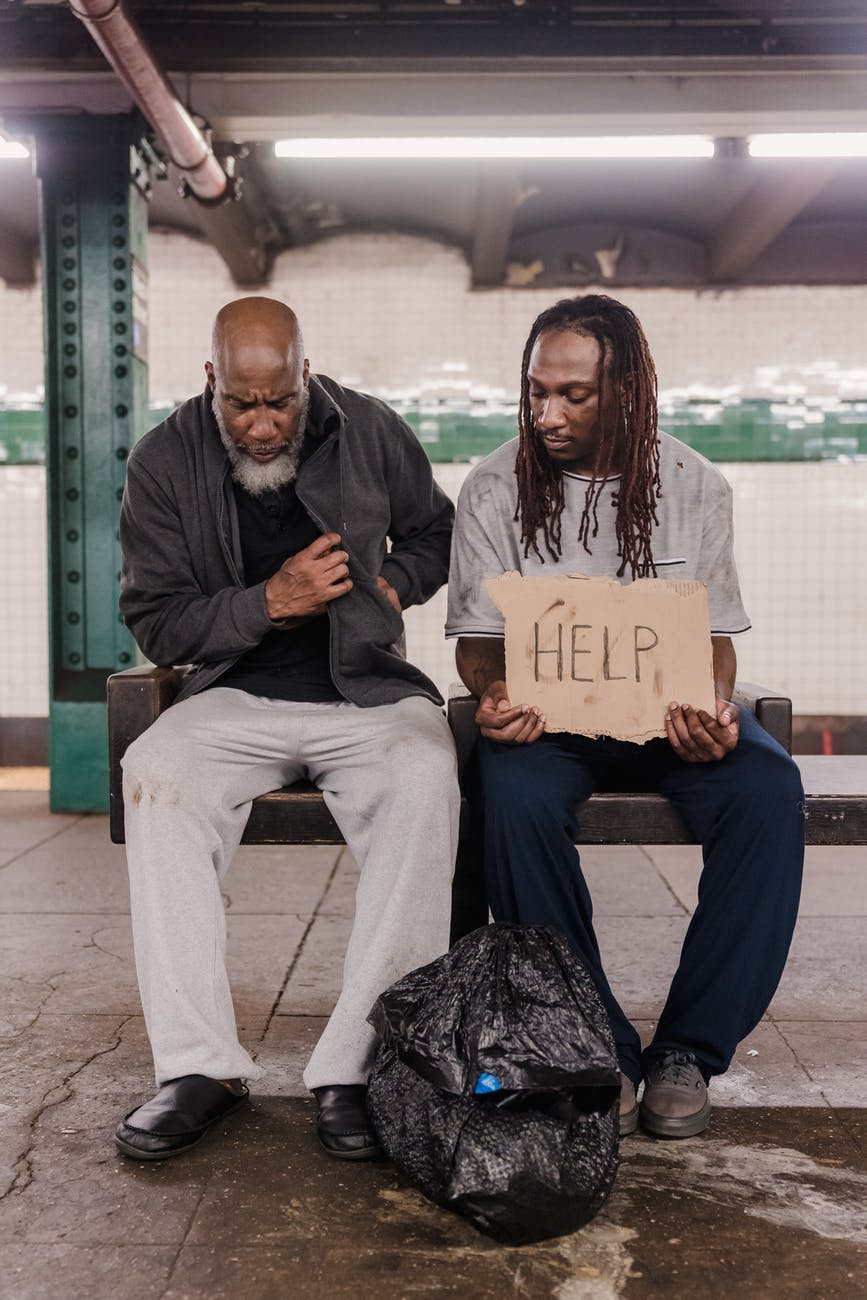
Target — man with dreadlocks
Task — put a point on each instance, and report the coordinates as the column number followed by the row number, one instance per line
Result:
column 591, row 486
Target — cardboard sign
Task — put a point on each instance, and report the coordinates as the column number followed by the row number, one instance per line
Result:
column 600, row 659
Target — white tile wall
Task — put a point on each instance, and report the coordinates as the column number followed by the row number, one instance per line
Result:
column 800, row 544
column 395, row 315
column 23, row 593
column 801, row 538
column 21, row 344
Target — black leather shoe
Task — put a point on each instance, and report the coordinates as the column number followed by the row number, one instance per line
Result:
column 342, row 1125
column 178, row 1117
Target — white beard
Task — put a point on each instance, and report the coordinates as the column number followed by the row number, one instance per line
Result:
column 252, row 477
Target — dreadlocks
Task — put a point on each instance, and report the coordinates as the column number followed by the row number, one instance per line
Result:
column 625, row 364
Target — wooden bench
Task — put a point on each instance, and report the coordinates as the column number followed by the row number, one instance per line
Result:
column 835, row 787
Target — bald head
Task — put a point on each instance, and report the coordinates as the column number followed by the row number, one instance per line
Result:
column 258, row 375
column 251, row 325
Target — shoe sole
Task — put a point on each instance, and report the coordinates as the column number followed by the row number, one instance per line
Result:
column 680, row 1126
column 135, row 1153
column 363, row 1153
column 629, row 1121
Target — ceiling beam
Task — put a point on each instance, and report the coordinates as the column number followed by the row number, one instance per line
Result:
column 782, row 191
column 698, row 99
column 498, row 194
column 234, row 37
column 243, row 232
column 17, row 258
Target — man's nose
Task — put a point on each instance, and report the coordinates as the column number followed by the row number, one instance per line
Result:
column 261, row 424
column 550, row 414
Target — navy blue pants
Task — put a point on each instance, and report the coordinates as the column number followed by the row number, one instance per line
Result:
column 747, row 812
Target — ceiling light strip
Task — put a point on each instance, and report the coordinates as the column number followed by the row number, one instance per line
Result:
column 817, row 144
column 531, row 147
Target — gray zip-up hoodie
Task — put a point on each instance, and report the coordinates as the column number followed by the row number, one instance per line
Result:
column 368, row 479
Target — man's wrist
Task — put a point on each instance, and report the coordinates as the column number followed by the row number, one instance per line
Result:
column 269, row 603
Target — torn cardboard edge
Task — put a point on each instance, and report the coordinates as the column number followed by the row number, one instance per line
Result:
column 602, row 659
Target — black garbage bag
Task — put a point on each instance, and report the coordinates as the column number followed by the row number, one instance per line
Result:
column 496, row 1085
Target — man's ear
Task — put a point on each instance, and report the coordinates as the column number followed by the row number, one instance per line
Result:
column 212, row 378
column 306, row 371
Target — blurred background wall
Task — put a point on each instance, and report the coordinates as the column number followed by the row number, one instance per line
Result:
column 771, row 382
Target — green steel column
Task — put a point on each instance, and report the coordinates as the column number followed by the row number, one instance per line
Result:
column 94, row 178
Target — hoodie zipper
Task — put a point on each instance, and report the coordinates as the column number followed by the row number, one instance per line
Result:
column 221, row 530
column 336, row 676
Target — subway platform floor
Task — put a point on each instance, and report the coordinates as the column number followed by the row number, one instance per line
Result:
column 771, row 1202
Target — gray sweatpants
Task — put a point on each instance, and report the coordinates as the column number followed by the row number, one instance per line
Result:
column 388, row 775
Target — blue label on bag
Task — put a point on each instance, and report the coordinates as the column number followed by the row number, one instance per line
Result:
column 487, row 1083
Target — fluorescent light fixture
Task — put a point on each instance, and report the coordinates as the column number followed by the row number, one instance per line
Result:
column 494, row 146
column 827, row 144
column 12, row 149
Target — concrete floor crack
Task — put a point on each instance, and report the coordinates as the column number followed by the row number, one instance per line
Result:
column 56, row 1095
column 52, row 981
column 92, row 943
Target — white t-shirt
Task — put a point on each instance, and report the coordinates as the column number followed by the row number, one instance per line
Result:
column 692, row 540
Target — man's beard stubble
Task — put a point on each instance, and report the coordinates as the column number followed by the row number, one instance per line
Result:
column 258, row 479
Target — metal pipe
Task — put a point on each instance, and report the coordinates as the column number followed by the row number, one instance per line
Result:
column 123, row 44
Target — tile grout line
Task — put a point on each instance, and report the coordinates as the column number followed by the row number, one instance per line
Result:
column 683, row 907
column 777, row 1026
column 187, row 1230
column 41, row 843
column 301, row 944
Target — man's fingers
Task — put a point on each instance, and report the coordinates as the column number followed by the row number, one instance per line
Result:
column 327, row 542
column 688, row 738
column 674, row 717
column 337, row 589
column 519, row 732
column 333, row 560
column 698, row 732
column 389, row 592
column 517, row 725
column 528, row 729
column 334, row 570
column 497, row 718
column 725, row 737
column 696, row 737
column 674, row 739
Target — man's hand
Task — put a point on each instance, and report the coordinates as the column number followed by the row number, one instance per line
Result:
column 306, row 582
column 497, row 719
column 389, row 592
column 696, row 737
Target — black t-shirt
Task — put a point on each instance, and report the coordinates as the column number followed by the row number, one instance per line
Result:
column 292, row 663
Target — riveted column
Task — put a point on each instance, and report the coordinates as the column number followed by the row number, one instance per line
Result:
column 94, row 180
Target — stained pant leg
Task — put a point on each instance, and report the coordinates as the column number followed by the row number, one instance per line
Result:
column 532, row 867
column 188, row 783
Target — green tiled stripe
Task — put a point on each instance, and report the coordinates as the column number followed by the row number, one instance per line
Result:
column 747, row 431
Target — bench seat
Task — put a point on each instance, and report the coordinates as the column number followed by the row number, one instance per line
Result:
column 836, row 787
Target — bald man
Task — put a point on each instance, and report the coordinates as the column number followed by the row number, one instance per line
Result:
column 255, row 528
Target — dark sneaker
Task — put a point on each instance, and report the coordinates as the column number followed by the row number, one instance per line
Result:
column 628, row 1107
column 675, row 1102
